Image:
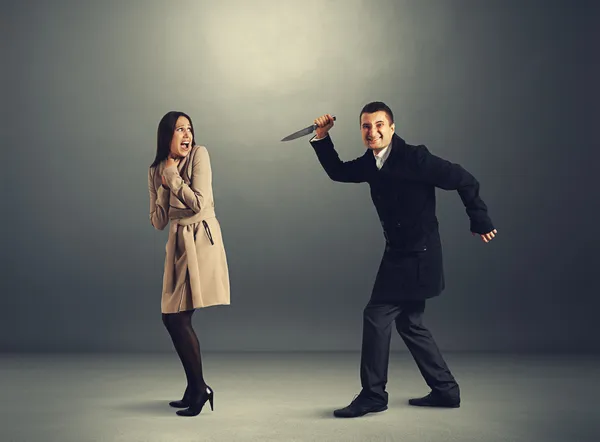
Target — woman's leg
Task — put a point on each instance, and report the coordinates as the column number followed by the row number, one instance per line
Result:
column 188, row 348
column 168, row 323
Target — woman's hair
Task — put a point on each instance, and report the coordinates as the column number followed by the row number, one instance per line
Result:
column 164, row 135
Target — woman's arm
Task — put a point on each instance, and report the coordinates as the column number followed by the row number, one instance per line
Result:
column 159, row 203
column 194, row 195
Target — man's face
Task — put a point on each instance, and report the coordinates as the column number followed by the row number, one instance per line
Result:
column 376, row 130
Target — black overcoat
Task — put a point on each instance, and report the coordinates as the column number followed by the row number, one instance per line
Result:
column 403, row 192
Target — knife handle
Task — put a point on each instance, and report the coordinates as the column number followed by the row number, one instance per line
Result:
column 315, row 126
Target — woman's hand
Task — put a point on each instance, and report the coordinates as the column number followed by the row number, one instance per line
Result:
column 170, row 162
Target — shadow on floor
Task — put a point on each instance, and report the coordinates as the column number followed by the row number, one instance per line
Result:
column 152, row 407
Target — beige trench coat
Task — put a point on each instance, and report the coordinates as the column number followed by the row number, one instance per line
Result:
column 196, row 274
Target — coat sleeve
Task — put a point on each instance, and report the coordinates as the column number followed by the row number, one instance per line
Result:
column 345, row 172
column 450, row 176
column 159, row 203
column 193, row 196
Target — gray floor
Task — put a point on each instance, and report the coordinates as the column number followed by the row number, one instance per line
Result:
column 290, row 397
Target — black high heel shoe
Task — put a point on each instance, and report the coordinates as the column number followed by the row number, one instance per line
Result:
column 184, row 402
column 197, row 403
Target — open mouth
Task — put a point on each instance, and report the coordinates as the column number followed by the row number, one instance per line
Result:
column 185, row 145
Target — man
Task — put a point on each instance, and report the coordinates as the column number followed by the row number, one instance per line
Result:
column 402, row 179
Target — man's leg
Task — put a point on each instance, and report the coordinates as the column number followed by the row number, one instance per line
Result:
column 426, row 354
column 377, row 332
column 375, row 352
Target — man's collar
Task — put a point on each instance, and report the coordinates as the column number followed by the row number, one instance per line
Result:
column 382, row 152
column 396, row 139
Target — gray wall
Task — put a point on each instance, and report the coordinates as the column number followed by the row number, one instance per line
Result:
column 508, row 89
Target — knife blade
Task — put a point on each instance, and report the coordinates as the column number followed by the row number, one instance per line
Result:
column 306, row 131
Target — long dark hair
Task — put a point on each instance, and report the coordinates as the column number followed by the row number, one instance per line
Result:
column 164, row 135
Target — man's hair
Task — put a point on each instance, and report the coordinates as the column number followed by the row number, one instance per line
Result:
column 377, row 106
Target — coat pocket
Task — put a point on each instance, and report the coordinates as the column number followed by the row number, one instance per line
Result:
column 400, row 269
column 429, row 268
column 208, row 232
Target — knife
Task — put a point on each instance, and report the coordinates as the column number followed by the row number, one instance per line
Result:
column 307, row 130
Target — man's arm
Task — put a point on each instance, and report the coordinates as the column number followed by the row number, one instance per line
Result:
column 336, row 169
column 344, row 172
column 450, row 176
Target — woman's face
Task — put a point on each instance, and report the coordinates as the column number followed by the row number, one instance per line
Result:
column 182, row 141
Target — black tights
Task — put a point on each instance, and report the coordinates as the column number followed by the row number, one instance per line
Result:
column 185, row 341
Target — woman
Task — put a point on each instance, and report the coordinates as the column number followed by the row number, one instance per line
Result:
column 196, row 273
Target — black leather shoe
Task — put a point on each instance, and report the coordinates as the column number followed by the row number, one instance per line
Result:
column 184, row 402
column 435, row 400
column 196, row 403
column 359, row 407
